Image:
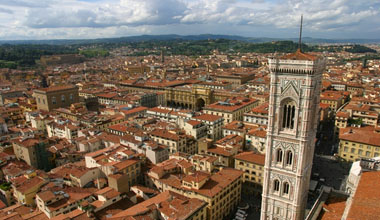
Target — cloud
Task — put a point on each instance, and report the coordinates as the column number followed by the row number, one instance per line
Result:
column 125, row 13
column 28, row 3
column 93, row 18
column 6, row 11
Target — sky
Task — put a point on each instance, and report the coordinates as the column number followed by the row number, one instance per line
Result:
column 82, row 19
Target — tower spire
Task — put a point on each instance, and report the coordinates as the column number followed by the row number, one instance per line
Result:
column 300, row 39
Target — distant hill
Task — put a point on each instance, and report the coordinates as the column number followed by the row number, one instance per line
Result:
column 188, row 37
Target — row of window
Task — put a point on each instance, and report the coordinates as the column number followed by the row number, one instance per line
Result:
column 54, row 99
column 360, row 152
column 361, row 146
column 250, row 165
column 288, row 157
column 285, row 187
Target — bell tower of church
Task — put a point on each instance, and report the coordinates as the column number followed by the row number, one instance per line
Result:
column 293, row 119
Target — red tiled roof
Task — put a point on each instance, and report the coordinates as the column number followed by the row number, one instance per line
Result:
column 299, row 55
column 365, row 203
column 193, row 123
column 208, row 117
column 342, row 114
column 251, row 157
column 165, row 134
column 365, row 135
column 333, row 208
column 56, row 88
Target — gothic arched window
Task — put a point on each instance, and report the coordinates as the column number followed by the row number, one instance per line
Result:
column 276, row 185
column 279, row 155
column 285, row 189
column 289, row 158
column 288, row 114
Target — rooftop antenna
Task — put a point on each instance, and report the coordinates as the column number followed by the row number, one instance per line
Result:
column 300, row 39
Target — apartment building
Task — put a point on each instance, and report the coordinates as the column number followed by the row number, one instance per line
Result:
column 120, row 165
column 194, row 128
column 257, row 115
column 231, row 109
column 176, row 140
column 214, row 125
column 62, row 129
column 26, row 186
column 56, row 97
column 203, row 162
column 255, row 139
column 32, row 151
column 58, row 201
column 357, row 143
column 155, row 152
column 221, row 191
column 335, row 99
column 252, row 164
column 223, row 149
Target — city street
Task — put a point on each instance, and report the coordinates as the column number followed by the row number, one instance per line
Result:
column 331, row 170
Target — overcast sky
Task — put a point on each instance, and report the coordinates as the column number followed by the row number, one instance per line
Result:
column 67, row 19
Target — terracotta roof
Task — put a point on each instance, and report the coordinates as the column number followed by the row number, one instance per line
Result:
column 342, row 114
column 30, row 142
column 323, row 105
column 197, row 177
column 251, row 157
column 220, row 151
column 365, row 202
column 299, row 55
column 165, row 134
column 170, row 204
column 193, row 122
column 23, row 184
column 160, row 110
column 262, row 109
column 124, row 164
column 365, row 135
column 46, row 195
column 36, row 215
column 258, row 132
column 208, row 117
column 56, row 88
column 108, row 193
column 108, row 95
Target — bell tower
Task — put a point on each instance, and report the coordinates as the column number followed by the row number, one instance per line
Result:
column 293, row 119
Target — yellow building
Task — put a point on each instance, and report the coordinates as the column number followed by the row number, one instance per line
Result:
column 334, row 99
column 26, row 187
column 252, row 164
column 221, row 190
column 204, row 162
column 356, row 143
column 341, row 121
column 231, row 109
column 235, row 79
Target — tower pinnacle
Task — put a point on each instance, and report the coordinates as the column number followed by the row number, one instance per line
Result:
column 300, row 39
